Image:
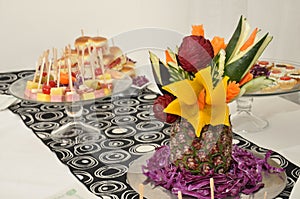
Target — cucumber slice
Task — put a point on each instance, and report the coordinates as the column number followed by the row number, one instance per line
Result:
column 237, row 39
column 238, row 68
column 255, row 84
column 217, row 67
column 160, row 71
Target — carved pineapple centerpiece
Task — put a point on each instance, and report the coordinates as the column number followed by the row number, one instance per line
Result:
column 200, row 155
column 197, row 82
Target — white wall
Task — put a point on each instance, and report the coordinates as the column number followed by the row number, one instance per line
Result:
column 27, row 27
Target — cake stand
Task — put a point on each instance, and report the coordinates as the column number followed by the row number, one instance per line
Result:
column 74, row 109
column 243, row 120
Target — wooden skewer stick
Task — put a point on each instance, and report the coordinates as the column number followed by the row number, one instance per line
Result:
column 48, row 73
column 211, row 182
column 265, row 195
column 46, row 60
column 83, row 64
column 179, row 195
column 141, row 191
column 54, row 66
column 41, row 72
column 82, row 32
column 58, row 74
column 92, row 64
column 70, row 75
column 100, row 55
column 36, row 69
column 80, row 69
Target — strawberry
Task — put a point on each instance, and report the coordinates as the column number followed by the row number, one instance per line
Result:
column 46, row 88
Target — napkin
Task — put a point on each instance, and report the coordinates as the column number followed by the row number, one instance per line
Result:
column 6, row 101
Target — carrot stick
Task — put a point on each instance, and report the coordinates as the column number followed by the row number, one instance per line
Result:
column 250, row 40
column 233, row 89
column 218, row 44
column 246, row 78
column 198, row 30
column 168, row 57
column 201, row 99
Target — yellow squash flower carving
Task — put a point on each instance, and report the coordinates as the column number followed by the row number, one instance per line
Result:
column 214, row 111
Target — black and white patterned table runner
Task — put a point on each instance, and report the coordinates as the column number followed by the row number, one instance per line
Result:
column 128, row 130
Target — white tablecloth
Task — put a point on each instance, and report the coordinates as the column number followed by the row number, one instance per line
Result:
column 24, row 158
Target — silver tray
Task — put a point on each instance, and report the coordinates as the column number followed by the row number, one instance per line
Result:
column 274, row 183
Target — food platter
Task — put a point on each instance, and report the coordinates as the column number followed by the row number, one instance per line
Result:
column 274, row 183
column 17, row 89
column 282, row 69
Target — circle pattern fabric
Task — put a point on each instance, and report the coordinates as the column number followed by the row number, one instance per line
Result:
column 128, row 130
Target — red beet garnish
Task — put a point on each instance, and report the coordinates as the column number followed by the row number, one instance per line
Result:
column 158, row 108
column 195, row 53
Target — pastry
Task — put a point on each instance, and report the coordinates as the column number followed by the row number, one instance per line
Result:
column 286, row 82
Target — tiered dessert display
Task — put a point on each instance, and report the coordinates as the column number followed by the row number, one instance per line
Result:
column 91, row 71
column 198, row 81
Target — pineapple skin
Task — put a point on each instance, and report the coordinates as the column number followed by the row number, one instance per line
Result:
column 211, row 152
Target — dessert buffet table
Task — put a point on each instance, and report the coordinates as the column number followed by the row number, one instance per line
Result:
column 34, row 164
